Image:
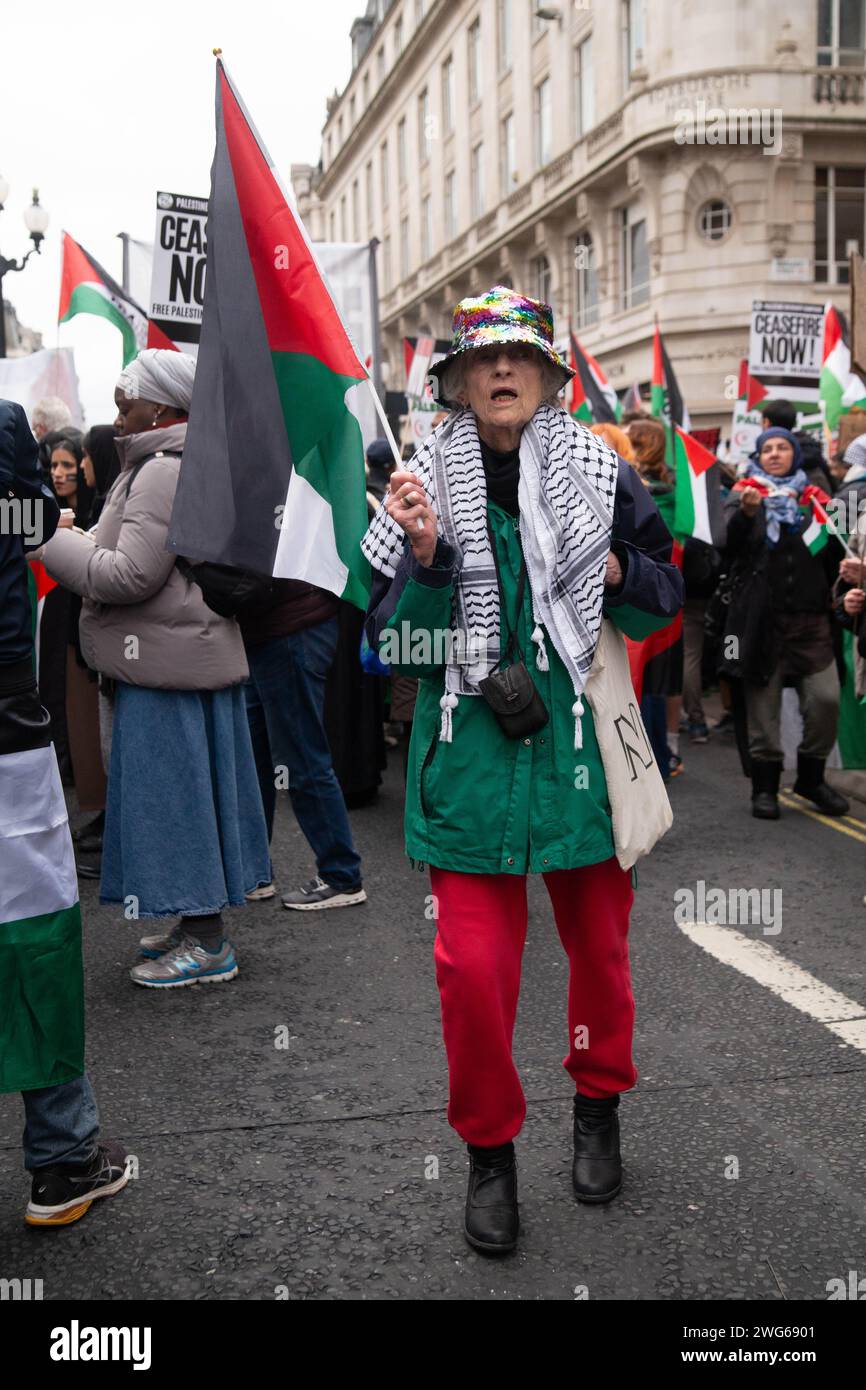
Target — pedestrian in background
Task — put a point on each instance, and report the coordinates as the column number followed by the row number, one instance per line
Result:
column 780, row 616
column 617, row 439
column 184, row 828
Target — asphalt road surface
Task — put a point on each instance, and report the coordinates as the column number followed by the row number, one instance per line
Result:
column 325, row 1169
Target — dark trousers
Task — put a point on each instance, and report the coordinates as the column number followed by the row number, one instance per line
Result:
column 285, row 707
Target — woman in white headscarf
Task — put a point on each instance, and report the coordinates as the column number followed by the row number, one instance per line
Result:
column 185, row 832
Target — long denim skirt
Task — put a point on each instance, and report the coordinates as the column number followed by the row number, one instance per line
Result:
column 184, row 827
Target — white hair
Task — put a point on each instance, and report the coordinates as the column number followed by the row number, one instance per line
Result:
column 453, row 380
column 52, row 413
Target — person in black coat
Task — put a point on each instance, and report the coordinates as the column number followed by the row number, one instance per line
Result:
column 780, row 620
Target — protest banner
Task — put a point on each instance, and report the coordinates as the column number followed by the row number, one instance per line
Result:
column 786, row 339
column 179, row 267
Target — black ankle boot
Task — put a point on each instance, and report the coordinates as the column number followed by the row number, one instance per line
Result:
column 810, row 783
column 492, row 1221
column 765, row 789
column 597, row 1169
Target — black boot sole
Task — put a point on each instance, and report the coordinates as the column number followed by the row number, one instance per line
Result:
column 805, row 796
column 596, row 1200
column 486, row 1249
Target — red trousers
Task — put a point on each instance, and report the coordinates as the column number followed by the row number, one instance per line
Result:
column 481, row 921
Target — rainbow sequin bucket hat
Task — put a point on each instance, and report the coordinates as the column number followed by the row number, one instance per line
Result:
column 499, row 316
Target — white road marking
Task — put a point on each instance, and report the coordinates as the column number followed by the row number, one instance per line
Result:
column 796, row 986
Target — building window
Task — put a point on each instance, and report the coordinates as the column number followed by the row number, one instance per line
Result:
column 448, row 96
column 398, row 36
column 426, row 227
column 476, row 181
column 541, row 279
column 714, row 220
column 424, row 126
column 841, row 33
column 332, row 226
column 365, row 89
column 344, row 233
column 450, row 205
column 340, row 132
column 420, row 7
column 503, row 30
column 328, row 148
column 401, row 150
column 584, row 89
column 352, row 118
column 474, row 41
column 383, row 173
column 585, row 282
column 356, row 211
column 386, row 263
column 543, row 124
column 634, row 259
column 633, row 38
column 404, row 248
column 839, row 221
column 507, row 154
column 380, row 64
column 369, row 191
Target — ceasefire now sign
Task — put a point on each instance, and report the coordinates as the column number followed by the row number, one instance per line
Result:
column 785, row 339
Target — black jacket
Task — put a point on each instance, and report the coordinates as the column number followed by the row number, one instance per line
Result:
column 27, row 505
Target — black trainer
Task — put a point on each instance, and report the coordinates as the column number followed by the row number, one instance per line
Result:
column 62, row 1193
column 596, row 1173
column 318, row 894
column 492, row 1221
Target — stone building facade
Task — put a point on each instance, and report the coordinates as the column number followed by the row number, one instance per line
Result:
column 626, row 160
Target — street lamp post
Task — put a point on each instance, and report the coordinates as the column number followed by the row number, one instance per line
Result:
column 36, row 221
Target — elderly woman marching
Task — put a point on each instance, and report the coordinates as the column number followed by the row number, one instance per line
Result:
column 184, row 829
column 516, row 534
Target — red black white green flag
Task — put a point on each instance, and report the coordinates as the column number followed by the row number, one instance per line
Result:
column 593, row 399
column 85, row 288
column 272, row 478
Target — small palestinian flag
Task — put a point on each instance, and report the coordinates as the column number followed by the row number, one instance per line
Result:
column 272, row 478
column 698, row 498
column 85, row 288
column 633, row 400
column 750, row 389
column 839, row 388
column 666, row 401
column 593, row 399
column 818, row 526
column 42, row 977
column 40, row 584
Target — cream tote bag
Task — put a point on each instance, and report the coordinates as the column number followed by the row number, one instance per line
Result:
column 639, row 804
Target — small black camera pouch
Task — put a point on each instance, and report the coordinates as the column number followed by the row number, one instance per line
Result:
column 511, row 693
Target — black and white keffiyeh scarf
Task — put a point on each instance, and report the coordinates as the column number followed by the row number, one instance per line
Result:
column 566, row 495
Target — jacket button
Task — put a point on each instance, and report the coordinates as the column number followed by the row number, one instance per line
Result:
column 541, row 740
column 509, row 861
column 527, row 741
column 545, row 861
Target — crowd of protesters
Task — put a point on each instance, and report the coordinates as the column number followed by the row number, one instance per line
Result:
column 173, row 722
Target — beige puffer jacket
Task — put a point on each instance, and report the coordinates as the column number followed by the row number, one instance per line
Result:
column 142, row 622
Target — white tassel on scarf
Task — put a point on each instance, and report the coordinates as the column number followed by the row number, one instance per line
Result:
column 541, row 662
column 577, row 711
column 446, row 704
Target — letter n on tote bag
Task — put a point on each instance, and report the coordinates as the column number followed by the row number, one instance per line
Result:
column 640, row 809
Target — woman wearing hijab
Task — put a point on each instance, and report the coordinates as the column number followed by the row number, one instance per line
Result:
column 184, row 828
column 100, row 465
column 780, row 615
column 514, row 535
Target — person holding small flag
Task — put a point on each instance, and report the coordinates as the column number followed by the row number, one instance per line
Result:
column 783, row 565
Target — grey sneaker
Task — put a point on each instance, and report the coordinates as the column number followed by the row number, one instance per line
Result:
column 152, row 947
column 261, row 894
column 318, row 894
column 188, row 963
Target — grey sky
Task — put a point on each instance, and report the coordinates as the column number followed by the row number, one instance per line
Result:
column 102, row 104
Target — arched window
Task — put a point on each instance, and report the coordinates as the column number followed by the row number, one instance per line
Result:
column 541, row 279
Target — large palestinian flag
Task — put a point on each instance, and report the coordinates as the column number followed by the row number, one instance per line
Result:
column 41, row 974
column 840, row 388
column 272, row 478
column 593, row 399
column 85, row 288
column 698, row 498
